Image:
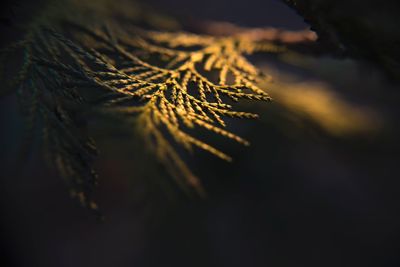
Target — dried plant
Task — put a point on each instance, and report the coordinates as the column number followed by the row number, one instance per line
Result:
column 173, row 82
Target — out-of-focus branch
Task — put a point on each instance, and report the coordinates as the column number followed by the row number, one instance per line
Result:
column 257, row 34
column 365, row 30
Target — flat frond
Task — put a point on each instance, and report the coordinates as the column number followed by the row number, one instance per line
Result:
column 175, row 82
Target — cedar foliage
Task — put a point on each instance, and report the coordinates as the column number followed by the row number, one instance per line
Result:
column 172, row 81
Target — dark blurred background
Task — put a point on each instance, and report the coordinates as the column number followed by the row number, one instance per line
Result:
column 318, row 187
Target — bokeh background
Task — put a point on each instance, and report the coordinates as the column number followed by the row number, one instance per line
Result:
column 319, row 186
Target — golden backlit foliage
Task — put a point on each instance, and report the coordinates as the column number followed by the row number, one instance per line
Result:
column 322, row 105
column 176, row 92
column 173, row 82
